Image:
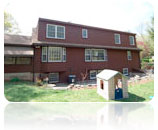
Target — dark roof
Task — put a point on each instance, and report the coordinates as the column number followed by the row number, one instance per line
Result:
column 43, row 43
column 17, row 40
column 85, row 26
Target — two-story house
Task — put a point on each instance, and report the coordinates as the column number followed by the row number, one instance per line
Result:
column 61, row 49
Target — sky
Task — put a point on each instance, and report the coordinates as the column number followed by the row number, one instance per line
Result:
column 123, row 15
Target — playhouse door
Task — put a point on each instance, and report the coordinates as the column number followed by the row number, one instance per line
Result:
column 118, row 93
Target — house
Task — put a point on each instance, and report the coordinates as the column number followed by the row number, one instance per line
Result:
column 112, row 84
column 61, row 49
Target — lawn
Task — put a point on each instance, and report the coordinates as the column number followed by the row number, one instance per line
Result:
column 28, row 92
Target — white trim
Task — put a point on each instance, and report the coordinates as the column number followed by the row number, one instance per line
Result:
column 91, row 60
column 86, row 55
column 44, row 54
column 86, row 33
column 61, row 53
column 119, row 38
column 92, row 71
column 125, row 69
column 55, row 31
column 132, row 40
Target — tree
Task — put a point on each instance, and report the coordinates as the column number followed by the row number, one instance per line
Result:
column 150, row 29
column 10, row 25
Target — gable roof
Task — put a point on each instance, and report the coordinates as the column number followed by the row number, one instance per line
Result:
column 107, row 74
column 17, row 40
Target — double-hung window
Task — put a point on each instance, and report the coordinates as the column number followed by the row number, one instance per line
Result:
column 131, row 40
column 55, row 31
column 117, row 39
column 44, row 54
column 84, row 33
column 87, row 55
column 95, row 55
column 54, row 54
column 129, row 55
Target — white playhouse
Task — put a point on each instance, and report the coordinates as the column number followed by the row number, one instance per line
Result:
column 112, row 84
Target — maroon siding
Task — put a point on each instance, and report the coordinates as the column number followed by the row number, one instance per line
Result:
column 75, row 63
column 73, row 34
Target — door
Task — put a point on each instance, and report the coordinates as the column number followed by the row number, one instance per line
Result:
column 118, row 93
column 118, row 87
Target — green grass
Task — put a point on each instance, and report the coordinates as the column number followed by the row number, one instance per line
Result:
column 28, row 92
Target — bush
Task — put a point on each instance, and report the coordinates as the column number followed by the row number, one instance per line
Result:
column 15, row 79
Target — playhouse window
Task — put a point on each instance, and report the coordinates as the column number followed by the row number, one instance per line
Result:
column 101, row 84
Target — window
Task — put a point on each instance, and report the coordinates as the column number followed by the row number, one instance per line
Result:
column 23, row 60
column 55, row 31
column 53, row 77
column 129, row 55
column 9, row 60
column 87, row 55
column 55, row 54
column 95, row 55
column 17, row 60
column 125, row 71
column 117, row 39
column 84, row 33
column 44, row 54
column 131, row 40
column 64, row 54
column 93, row 73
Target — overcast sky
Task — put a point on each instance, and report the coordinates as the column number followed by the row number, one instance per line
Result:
column 124, row 15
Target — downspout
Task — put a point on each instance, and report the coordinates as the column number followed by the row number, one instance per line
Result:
column 33, row 63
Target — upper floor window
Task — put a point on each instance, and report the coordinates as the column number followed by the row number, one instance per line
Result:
column 55, row 31
column 129, row 55
column 95, row 55
column 84, row 33
column 117, row 39
column 131, row 40
column 54, row 54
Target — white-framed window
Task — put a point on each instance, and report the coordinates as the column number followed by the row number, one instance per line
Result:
column 84, row 33
column 53, row 77
column 64, row 54
column 125, row 71
column 44, row 54
column 55, row 31
column 129, row 55
column 95, row 55
column 87, row 55
column 131, row 40
column 54, row 54
column 93, row 73
column 117, row 39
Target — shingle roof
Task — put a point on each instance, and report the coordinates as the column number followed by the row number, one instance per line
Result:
column 44, row 43
column 17, row 40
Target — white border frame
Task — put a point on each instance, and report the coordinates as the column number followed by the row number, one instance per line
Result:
column 119, row 38
column 55, row 31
